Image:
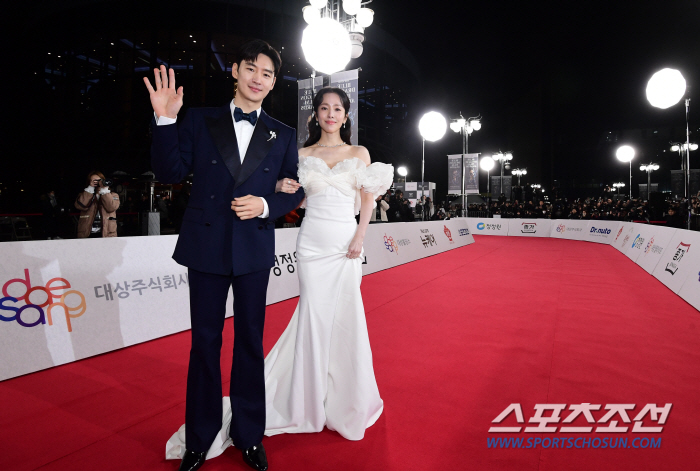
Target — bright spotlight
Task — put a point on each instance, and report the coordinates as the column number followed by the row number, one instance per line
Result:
column 402, row 171
column 625, row 154
column 352, row 7
column 365, row 17
column 311, row 14
column 326, row 46
column 665, row 88
column 486, row 163
column 432, row 126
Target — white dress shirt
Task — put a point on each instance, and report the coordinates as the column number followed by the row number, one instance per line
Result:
column 244, row 132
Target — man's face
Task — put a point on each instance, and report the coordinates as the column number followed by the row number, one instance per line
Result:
column 255, row 79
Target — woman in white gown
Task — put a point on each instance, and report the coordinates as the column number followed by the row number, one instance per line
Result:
column 320, row 373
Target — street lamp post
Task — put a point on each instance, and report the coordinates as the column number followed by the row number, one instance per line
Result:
column 519, row 172
column 617, row 186
column 432, row 127
column 650, row 167
column 503, row 157
column 465, row 127
column 626, row 154
column 664, row 89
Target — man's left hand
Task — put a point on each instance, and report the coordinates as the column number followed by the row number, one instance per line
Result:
column 248, row 207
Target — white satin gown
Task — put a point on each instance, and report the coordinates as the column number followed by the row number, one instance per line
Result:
column 320, row 372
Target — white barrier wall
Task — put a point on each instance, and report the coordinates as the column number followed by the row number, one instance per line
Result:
column 66, row 300
column 655, row 247
column 680, row 260
column 622, row 238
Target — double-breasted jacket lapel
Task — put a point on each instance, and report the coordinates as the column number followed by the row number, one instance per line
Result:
column 260, row 144
column 224, row 134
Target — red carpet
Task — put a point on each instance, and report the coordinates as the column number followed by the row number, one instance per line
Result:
column 456, row 338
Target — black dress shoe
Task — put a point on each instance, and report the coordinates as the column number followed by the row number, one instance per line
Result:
column 192, row 460
column 255, row 457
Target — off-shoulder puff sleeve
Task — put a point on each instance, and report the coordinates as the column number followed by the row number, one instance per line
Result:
column 375, row 178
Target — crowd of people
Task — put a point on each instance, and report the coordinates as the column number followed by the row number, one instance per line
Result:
column 669, row 212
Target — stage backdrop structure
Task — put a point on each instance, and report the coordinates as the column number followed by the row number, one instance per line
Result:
column 66, row 300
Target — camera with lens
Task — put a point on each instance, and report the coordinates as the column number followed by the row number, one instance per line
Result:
column 104, row 182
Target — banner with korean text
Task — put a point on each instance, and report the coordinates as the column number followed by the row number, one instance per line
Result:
column 66, row 300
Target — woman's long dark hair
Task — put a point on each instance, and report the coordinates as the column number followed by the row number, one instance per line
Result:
column 315, row 128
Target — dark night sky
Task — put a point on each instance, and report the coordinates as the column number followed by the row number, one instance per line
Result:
column 549, row 79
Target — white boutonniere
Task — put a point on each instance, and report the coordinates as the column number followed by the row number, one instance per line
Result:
column 273, row 135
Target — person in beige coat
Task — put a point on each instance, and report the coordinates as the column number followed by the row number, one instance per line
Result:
column 382, row 207
column 97, row 196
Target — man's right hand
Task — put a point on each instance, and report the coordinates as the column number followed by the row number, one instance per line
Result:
column 166, row 101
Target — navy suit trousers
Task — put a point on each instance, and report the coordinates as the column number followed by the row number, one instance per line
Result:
column 208, row 294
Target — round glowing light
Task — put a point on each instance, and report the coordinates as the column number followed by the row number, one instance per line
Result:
column 402, row 171
column 625, row 154
column 432, row 126
column 311, row 14
column 665, row 88
column 455, row 126
column 326, row 46
column 318, row 4
column 352, row 7
column 693, row 147
column 675, row 148
column 365, row 17
column 476, row 124
column 486, row 163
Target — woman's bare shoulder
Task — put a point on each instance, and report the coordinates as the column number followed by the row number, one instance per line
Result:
column 361, row 153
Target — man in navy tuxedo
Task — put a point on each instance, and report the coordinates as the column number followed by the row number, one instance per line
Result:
column 237, row 154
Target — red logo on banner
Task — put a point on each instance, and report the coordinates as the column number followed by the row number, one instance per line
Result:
column 448, row 233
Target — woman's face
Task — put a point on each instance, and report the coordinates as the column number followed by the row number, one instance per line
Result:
column 331, row 114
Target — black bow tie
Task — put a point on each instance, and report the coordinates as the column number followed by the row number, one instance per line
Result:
column 251, row 117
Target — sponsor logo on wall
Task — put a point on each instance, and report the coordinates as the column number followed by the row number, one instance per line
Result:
column 529, row 228
column 561, row 228
column 488, row 227
column 390, row 244
column 463, row 232
column 448, row 234
column 653, row 248
column 427, row 238
column 600, row 231
column 625, row 240
column 58, row 299
column 619, row 232
column 681, row 250
column 638, row 241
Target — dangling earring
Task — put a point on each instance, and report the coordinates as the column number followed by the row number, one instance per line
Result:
column 345, row 124
column 316, row 122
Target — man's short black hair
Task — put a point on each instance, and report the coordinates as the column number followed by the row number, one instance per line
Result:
column 252, row 49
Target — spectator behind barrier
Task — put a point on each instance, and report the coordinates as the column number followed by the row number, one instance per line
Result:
column 98, row 206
